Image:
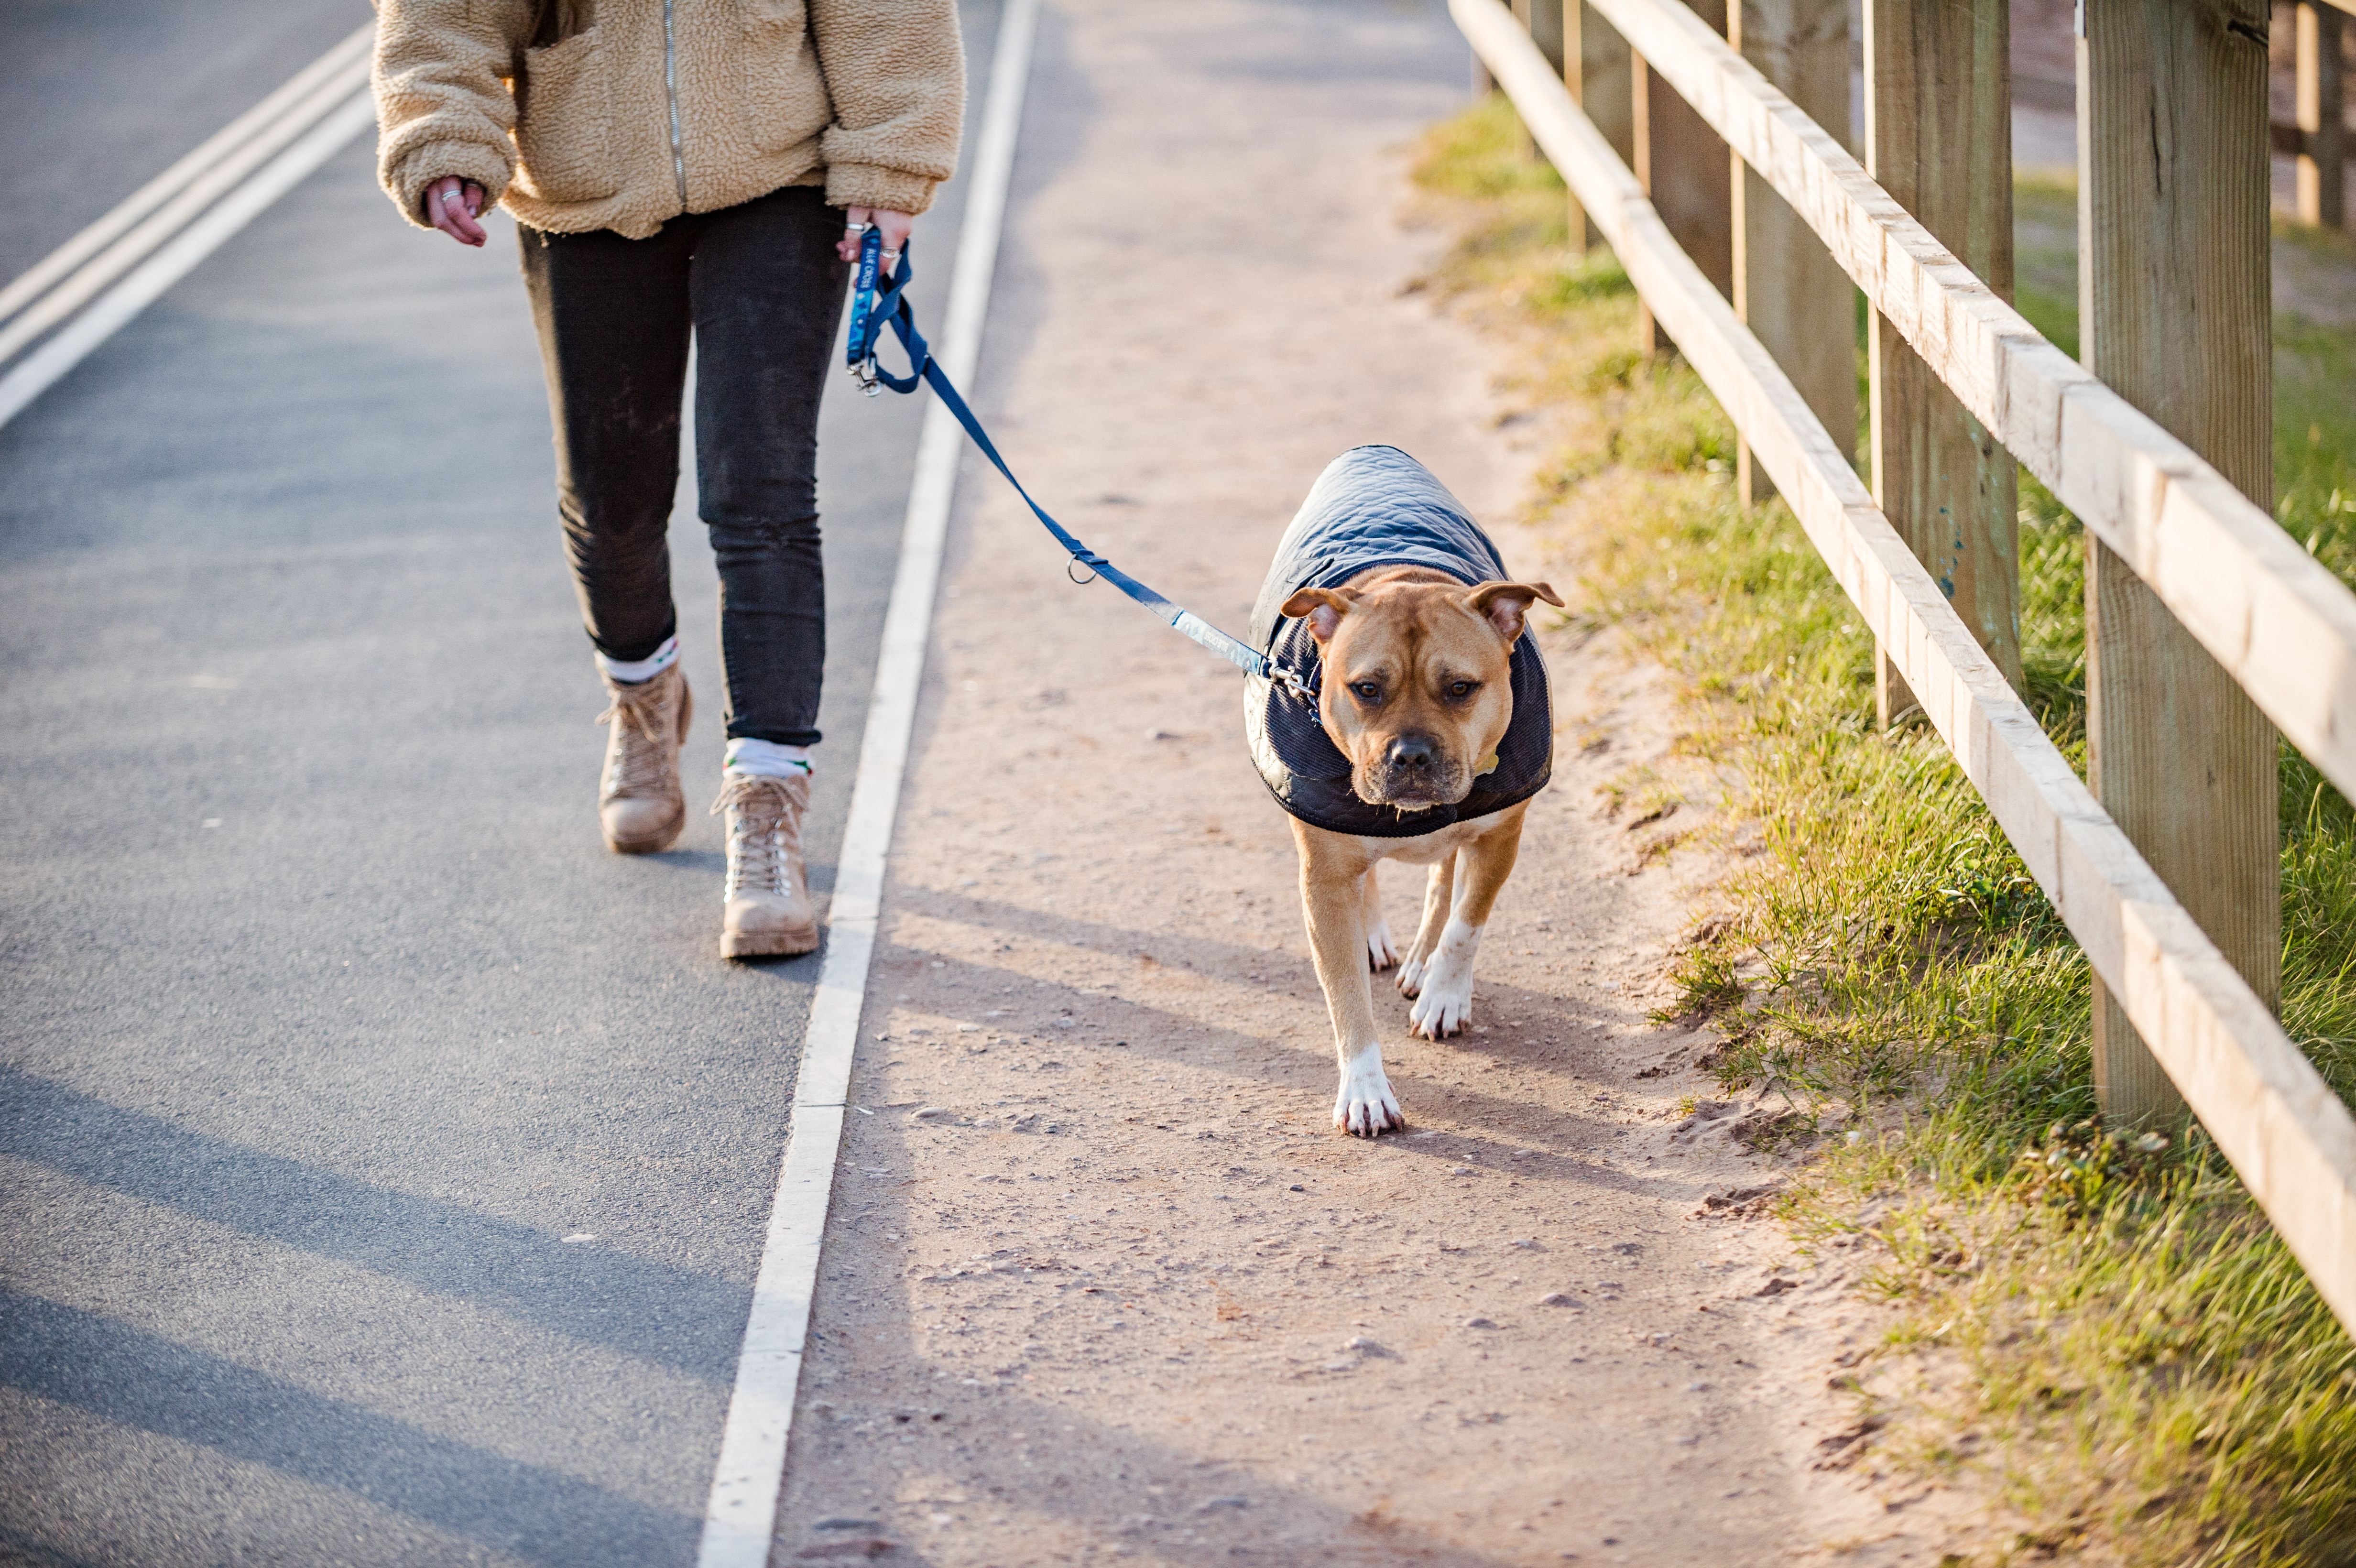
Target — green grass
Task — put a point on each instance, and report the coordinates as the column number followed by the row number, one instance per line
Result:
column 2315, row 371
column 2105, row 1330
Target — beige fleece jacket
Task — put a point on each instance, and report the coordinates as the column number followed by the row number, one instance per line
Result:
column 585, row 114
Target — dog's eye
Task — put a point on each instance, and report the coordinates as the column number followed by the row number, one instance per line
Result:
column 1368, row 691
column 1460, row 690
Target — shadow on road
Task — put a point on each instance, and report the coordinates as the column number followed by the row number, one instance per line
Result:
column 591, row 1294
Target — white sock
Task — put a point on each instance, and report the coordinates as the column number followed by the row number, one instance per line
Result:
column 630, row 672
column 767, row 760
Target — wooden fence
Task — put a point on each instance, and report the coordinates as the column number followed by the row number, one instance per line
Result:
column 2219, row 581
column 2317, row 133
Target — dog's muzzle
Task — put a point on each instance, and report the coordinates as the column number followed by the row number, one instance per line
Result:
column 1414, row 770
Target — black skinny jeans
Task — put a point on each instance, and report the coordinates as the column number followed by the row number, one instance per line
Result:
column 759, row 288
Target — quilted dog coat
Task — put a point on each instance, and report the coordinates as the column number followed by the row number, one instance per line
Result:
column 1375, row 505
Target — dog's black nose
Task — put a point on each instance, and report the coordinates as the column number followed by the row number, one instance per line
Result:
column 1417, row 753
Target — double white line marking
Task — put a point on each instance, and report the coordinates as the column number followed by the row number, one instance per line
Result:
column 77, row 297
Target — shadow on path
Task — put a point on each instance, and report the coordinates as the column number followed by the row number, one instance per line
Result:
column 672, row 1318
column 132, row 1378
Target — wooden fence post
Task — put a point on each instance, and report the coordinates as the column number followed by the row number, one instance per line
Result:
column 2174, row 307
column 1557, row 34
column 1546, row 31
column 1681, row 165
column 1690, row 188
column 1640, row 163
column 1602, row 88
column 2322, row 115
column 1787, row 287
column 1938, row 132
column 1524, row 148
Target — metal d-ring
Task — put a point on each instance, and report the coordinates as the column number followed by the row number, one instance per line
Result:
column 1083, row 582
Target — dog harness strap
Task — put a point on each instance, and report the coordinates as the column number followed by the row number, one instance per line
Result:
column 872, row 310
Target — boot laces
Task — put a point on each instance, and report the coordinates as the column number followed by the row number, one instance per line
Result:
column 759, row 810
column 642, row 757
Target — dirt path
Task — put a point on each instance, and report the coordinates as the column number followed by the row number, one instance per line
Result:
column 1102, row 1281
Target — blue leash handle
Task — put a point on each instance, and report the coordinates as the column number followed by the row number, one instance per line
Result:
column 873, row 309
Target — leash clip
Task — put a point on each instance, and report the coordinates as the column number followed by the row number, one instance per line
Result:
column 1283, row 676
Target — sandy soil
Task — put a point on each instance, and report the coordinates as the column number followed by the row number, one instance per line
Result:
column 1102, row 1281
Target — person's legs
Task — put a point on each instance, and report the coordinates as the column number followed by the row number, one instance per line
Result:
column 767, row 295
column 614, row 322
column 767, row 290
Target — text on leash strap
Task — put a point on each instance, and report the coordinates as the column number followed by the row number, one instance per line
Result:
column 872, row 310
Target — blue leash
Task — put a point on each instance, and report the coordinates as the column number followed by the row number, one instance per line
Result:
column 872, row 310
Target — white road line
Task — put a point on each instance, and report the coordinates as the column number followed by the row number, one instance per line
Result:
column 173, row 216
column 33, row 375
column 741, row 1515
column 337, row 61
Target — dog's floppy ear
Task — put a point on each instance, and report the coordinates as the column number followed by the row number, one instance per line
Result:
column 1505, row 605
column 1322, row 607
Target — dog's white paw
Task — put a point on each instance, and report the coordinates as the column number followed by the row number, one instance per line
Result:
column 1443, row 1002
column 1443, row 1006
column 1410, row 976
column 1380, row 954
column 1365, row 1105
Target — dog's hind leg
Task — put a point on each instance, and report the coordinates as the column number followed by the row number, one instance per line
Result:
column 1445, row 1003
column 1380, row 953
column 1333, row 897
column 1438, row 888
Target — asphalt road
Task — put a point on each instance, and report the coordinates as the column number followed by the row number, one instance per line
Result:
column 96, row 97
column 382, row 1164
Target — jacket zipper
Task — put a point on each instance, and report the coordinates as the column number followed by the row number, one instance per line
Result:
column 670, row 90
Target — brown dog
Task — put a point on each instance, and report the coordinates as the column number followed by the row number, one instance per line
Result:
column 1417, row 694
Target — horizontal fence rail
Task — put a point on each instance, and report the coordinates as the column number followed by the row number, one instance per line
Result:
column 2266, row 610
column 2271, row 1112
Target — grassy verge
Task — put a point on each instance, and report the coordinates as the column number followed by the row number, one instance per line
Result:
column 2104, row 1329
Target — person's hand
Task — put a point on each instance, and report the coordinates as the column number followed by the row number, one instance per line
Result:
column 451, row 206
column 895, row 225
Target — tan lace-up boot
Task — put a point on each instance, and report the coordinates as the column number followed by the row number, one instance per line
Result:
column 639, row 800
column 768, row 902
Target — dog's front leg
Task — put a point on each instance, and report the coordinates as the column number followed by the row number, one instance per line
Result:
column 1445, row 1003
column 1380, row 954
column 1333, row 897
column 1438, row 891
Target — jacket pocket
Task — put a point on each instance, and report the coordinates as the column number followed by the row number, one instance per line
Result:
column 564, row 131
column 781, row 93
